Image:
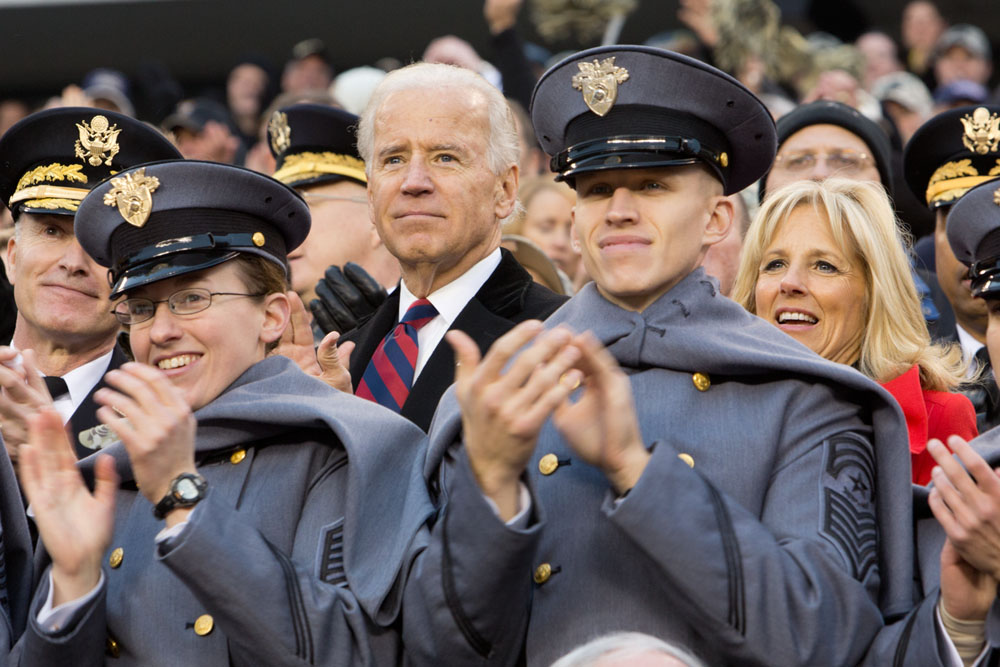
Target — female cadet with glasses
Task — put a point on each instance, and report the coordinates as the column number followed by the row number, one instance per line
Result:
column 244, row 499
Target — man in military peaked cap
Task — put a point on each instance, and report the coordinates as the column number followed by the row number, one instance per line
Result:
column 48, row 162
column 949, row 154
column 315, row 151
column 696, row 475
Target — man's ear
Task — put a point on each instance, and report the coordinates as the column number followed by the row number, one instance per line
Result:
column 720, row 220
column 11, row 258
column 277, row 313
column 506, row 193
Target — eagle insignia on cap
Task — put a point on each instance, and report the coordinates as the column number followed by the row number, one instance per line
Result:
column 98, row 141
column 599, row 83
column 982, row 131
column 133, row 195
column 281, row 133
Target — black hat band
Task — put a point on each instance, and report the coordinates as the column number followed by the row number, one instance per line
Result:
column 635, row 151
column 193, row 230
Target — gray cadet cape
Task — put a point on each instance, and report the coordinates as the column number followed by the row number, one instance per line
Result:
column 305, row 535
column 763, row 552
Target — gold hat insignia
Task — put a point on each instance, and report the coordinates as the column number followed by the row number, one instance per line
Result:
column 281, row 133
column 98, row 141
column 133, row 195
column 982, row 131
column 599, row 83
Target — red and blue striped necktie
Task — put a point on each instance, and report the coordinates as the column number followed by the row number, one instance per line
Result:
column 389, row 375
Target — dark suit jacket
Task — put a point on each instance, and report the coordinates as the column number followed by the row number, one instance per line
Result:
column 508, row 297
column 85, row 416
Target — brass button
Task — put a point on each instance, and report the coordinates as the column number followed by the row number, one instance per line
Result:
column 542, row 573
column 238, row 456
column 548, row 464
column 111, row 647
column 687, row 458
column 116, row 558
column 258, row 239
column 724, row 159
column 203, row 625
column 701, row 381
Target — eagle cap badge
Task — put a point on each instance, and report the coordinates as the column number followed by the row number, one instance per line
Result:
column 281, row 133
column 133, row 195
column 982, row 131
column 98, row 141
column 598, row 81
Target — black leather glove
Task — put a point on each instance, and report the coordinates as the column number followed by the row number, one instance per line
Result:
column 345, row 298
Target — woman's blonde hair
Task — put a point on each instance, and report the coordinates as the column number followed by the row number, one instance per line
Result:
column 863, row 224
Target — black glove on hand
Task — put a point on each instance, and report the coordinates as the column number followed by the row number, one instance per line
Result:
column 345, row 298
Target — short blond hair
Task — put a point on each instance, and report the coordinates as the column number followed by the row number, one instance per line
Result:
column 863, row 223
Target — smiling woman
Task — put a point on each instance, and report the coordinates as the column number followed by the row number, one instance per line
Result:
column 826, row 263
column 243, row 458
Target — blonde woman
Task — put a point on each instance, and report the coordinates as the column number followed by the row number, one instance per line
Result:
column 826, row 263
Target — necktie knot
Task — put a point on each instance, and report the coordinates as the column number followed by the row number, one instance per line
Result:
column 56, row 385
column 389, row 376
column 419, row 313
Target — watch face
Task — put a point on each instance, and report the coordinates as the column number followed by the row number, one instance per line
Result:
column 185, row 489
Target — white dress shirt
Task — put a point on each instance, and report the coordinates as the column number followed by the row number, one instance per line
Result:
column 80, row 381
column 449, row 301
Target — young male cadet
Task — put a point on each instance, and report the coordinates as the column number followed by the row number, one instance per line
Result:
column 746, row 502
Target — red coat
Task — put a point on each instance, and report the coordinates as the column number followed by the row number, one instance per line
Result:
column 930, row 414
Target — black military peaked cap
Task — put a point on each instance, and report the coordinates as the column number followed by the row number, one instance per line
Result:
column 974, row 235
column 313, row 143
column 953, row 152
column 166, row 219
column 619, row 107
column 50, row 160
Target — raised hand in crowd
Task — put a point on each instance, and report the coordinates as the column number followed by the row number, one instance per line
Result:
column 966, row 502
column 346, row 298
column 23, row 394
column 601, row 425
column 153, row 419
column 328, row 362
column 504, row 409
column 74, row 524
column 501, row 14
column 296, row 342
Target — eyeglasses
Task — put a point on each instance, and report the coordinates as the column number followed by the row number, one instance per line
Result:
column 319, row 197
column 846, row 161
column 183, row 302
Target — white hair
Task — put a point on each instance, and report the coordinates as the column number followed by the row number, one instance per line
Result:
column 502, row 148
column 623, row 646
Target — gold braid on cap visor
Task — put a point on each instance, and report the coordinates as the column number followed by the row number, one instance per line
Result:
column 953, row 179
column 303, row 166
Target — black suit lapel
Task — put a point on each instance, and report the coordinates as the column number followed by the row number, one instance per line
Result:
column 85, row 416
column 367, row 336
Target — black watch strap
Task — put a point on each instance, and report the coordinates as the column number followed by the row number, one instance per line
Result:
column 185, row 491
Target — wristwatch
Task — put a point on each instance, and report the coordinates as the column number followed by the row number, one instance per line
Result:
column 185, row 491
